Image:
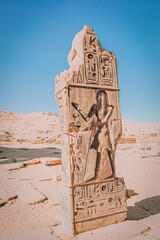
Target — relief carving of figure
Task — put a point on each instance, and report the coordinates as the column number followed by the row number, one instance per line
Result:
column 99, row 162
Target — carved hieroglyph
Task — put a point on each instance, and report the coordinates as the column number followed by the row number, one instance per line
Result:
column 88, row 99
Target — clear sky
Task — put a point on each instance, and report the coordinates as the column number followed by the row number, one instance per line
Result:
column 36, row 37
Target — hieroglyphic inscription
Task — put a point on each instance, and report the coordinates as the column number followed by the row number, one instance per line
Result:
column 90, row 42
column 96, row 69
column 106, row 74
column 90, row 59
column 98, row 189
column 78, row 75
column 78, row 163
column 91, row 67
column 98, row 199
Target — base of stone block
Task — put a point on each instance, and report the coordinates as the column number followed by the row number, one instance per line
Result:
column 79, row 227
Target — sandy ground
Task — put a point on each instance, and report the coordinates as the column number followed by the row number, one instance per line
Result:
column 34, row 211
column 29, row 188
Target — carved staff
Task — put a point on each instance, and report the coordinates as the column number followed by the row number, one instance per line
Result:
column 75, row 105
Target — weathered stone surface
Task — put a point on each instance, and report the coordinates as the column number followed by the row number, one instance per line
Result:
column 147, row 236
column 152, row 221
column 122, row 231
column 53, row 162
column 155, row 233
column 40, row 172
column 88, row 99
column 8, row 190
column 2, row 201
column 29, row 194
column 129, row 192
column 50, row 189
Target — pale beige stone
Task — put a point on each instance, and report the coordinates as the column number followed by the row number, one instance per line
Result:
column 29, row 194
column 88, row 100
column 59, row 178
column 121, row 231
column 129, row 192
column 38, row 171
column 50, row 189
column 17, row 167
column 2, row 201
column 152, row 221
column 155, row 233
column 20, row 216
column 53, row 162
column 8, row 190
column 32, row 162
column 22, row 165
column 145, row 236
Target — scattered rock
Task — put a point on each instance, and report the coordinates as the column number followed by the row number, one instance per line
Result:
column 145, row 148
column 53, row 162
column 127, row 140
column 150, row 156
column 129, row 192
column 2, row 202
column 45, row 179
column 148, row 148
column 32, row 162
column 18, row 167
column 59, row 178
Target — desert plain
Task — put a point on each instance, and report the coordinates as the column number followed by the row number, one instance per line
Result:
column 30, row 180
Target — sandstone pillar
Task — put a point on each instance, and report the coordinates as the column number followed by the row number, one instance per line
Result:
column 92, row 195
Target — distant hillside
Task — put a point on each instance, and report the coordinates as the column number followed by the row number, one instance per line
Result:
column 37, row 128
column 140, row 132
column 43, row 127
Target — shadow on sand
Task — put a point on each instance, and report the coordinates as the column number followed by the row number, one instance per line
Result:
column 10, row 155
column 145, row 208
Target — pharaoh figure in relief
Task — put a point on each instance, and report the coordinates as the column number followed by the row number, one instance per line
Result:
column 99, row 162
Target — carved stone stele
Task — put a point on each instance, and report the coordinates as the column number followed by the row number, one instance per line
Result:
column 88, row 99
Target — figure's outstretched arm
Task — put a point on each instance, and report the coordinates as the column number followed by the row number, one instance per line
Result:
column 108, row 115
column 91, row 112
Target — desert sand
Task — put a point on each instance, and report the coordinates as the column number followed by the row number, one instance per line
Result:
column 30, row 180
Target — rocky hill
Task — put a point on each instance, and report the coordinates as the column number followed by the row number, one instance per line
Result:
column 35, row 128
column 43, row 128
column 145, row 132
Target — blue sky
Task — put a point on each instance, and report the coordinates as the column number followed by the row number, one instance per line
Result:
column 36, row 37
